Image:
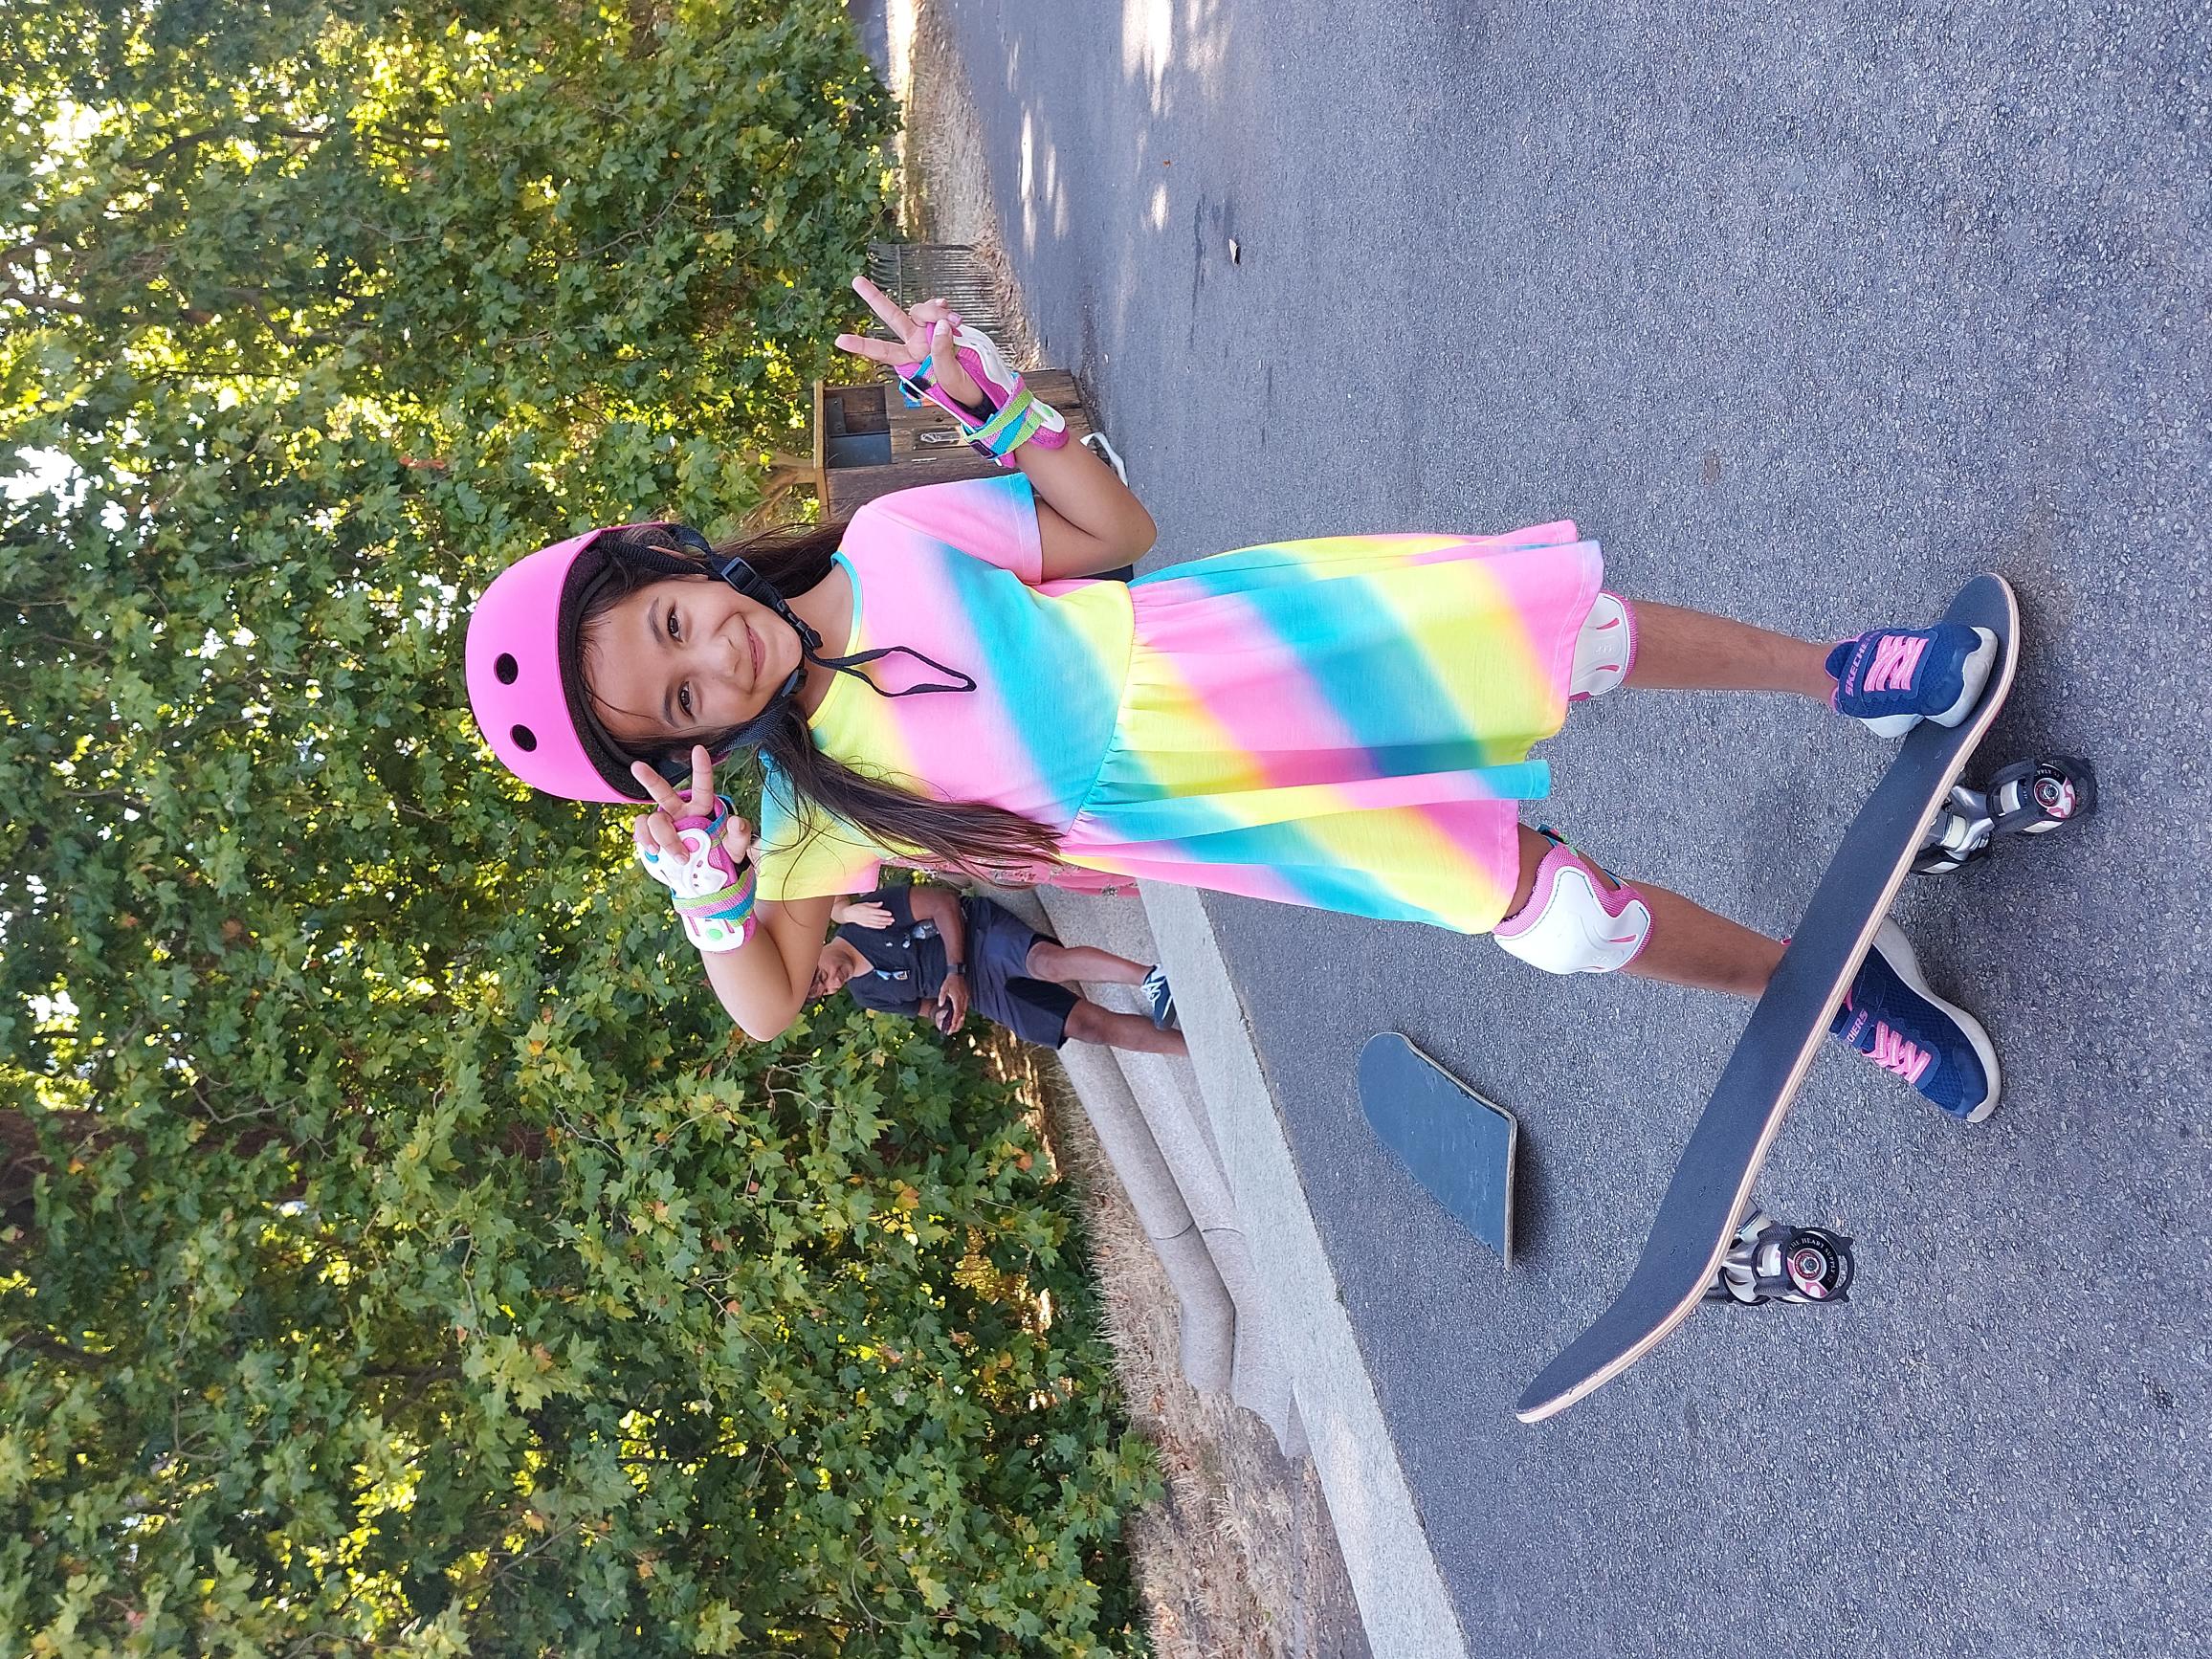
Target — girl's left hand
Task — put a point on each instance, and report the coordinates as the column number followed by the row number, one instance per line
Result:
column 926, row 332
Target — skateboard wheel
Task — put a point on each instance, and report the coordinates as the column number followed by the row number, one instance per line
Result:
column 2035, row 797
column 1819, row 1265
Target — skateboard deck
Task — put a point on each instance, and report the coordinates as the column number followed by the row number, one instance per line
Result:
column 1455, row 1142
column 1706, row 1199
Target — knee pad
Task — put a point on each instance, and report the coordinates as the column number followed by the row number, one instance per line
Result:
column 1604, row 650
column 1571, row 924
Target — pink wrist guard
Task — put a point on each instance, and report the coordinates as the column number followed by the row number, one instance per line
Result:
column 1018, row 417
column 714, row 893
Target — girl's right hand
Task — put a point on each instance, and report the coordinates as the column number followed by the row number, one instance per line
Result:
column 657, row 829
column 860, row 913
column 924, row 333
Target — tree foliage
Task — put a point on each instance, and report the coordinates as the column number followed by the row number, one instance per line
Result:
column 396, row 1253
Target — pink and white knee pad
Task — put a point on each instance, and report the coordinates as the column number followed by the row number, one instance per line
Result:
column 1572, row 923
column 1604, row 650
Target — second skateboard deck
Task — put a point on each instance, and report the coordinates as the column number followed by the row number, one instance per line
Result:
column 1457, row 1145
column 1705, row 1200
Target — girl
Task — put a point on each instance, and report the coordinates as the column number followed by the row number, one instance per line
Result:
column 1342, row 723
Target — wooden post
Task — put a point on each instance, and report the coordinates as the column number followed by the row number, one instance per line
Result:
column 868, row 442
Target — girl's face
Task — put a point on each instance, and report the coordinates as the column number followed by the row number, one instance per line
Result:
column 684, row 657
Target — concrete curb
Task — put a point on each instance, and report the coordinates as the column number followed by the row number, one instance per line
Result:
column 1203, row 1154
column 1207, row 1319
column 1153, row 1128
column 1403, row 1602
column 1166, row 1092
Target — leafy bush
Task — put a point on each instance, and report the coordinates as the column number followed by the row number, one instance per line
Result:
column 397, row 1255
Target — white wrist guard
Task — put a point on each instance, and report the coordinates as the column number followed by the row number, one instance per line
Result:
column 714, row 893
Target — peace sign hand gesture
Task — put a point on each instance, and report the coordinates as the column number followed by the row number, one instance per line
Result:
column 657, row 829
column 924, row 333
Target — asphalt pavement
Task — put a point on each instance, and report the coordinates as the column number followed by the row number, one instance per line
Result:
column 1809, row 313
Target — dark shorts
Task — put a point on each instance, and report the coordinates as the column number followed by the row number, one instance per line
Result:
column 999, row 983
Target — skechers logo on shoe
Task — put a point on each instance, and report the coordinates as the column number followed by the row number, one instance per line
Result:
column 1896, row 657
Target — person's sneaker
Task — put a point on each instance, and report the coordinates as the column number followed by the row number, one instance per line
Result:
column 1162, row 1000
column 1890, row 1016
column 1892, row 679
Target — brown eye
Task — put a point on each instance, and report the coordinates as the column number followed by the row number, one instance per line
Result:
column 673, row 631
column 683, row 700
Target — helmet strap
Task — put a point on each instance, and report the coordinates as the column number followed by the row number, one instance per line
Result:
column 742, row 577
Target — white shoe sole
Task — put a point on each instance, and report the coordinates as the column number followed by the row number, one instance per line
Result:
column 1897, row 951
column 1973, row 675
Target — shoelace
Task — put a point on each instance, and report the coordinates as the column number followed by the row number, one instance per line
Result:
column 1894, row 1051
column 1896, row 659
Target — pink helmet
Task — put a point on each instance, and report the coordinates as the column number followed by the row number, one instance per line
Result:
column 525, row 670
column 524, row 683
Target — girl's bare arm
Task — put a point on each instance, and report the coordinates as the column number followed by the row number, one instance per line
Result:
column 762, row 984
column 1088, row 520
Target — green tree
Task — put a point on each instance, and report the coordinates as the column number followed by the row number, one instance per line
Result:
column 396, row 1253
column 578, row 259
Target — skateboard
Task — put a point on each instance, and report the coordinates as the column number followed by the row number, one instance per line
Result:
column 1455, row 1142
column 1708, row 1196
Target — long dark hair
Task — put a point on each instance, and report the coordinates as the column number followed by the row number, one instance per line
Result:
column 967, row 836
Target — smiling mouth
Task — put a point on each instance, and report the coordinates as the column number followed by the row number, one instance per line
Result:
column 753, row 640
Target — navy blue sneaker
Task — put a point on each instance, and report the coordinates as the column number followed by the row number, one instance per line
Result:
column 1160, row 1000
column 1894, row 678
column 1890, row 1016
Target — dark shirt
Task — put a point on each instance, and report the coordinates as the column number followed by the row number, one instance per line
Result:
column 907, row 957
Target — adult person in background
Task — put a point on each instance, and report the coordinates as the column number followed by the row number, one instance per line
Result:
column 928, row 952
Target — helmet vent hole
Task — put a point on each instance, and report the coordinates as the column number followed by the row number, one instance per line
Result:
column 507, row 669
column 525, row 738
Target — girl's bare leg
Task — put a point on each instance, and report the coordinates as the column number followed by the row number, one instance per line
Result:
column 1679, row 650
column 1689, row 946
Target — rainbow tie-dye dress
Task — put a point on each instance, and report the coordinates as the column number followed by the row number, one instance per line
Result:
column 1342, row 723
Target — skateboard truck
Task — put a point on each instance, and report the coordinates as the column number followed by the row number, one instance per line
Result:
column 2026, row 798
column 1770, row 1261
